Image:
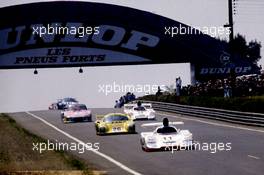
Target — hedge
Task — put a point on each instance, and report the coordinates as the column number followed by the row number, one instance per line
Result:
column 246, row 104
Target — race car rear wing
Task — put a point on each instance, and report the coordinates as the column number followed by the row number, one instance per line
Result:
column 161, row 124
column 129, row 106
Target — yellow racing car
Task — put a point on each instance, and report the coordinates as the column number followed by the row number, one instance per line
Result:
column 114, row 123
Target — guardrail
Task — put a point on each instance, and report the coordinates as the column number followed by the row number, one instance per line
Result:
column 246, row 118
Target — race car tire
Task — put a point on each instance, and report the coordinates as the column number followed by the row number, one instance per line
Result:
column 63, row 119
column 143, row 146
column 146, row 149
column 132, row 129
column 87, row 119
column 100, row 131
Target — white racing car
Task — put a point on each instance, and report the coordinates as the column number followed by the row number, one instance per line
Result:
column 128, row 108
column 166, row 136
column 63, row 104
column 140, row 111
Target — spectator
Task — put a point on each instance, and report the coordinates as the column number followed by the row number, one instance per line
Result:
column 124, row 99
column 158, row 93
column 133, row 97
column 178, row 86
column 117, row 104
column 246, row 85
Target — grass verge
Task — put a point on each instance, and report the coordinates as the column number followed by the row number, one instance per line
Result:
column 17, row 156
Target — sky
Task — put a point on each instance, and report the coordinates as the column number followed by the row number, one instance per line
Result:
column 21, row 90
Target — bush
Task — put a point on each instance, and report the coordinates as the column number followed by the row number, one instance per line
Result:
column 246, row 104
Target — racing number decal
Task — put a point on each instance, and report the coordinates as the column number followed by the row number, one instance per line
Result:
column 116, row 129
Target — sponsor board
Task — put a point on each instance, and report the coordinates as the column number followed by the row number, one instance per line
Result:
column 94, row 34
column 67, row 56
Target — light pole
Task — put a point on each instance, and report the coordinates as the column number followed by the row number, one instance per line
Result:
column 230, row 20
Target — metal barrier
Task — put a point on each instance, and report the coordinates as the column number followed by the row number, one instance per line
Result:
column 246, row 118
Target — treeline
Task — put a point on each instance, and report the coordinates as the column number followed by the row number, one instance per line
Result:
column 245, row 104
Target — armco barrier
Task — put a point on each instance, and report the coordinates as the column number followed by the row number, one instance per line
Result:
column 246, row 118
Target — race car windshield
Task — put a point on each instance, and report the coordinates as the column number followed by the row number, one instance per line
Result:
column 82, row 107
column 114, row 118
column 166, row 130
column 78, row 108
column 140, row 108
column 69, row 100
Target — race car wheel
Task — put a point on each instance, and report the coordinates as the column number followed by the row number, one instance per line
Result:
column 143, row 146
column 132, row 129
column 101, row 131
column 90, row 119
column 87, row 119
column 62, row 118
column 145, row 149
column 55, row 107
column 141, row 141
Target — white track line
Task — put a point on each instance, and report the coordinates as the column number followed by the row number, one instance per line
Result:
column 213, row 123
column 119, row 164
column 254, row 157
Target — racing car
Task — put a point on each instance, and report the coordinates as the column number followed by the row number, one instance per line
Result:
column 114, row 123
column 140, row 111
column 53, row 106
column 166, row 136
column 76, row 113
column 148, row 106
column 129, row 107
column 63, row 103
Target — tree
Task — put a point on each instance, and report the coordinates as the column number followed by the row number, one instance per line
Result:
column 254, row 51
column 170, row 89
column 248, row 51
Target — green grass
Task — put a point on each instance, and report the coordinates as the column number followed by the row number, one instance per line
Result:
column 16, row 152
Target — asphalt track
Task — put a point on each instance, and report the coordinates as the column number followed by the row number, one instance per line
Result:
column 122, row 154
